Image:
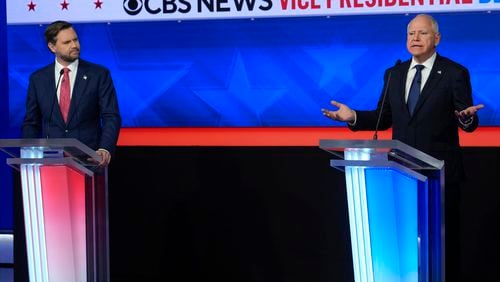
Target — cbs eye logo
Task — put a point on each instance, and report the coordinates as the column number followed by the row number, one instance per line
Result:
column 132, row 7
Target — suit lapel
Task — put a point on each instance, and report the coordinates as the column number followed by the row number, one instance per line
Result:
column 434, row 78
column 403, row 73
column 78, row 89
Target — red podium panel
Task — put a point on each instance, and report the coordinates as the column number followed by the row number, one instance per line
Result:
column 65, row 216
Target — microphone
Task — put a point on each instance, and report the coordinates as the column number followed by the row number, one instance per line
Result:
column 53, row 102
column 375, row 135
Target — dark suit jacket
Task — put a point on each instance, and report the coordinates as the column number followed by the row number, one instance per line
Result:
column 93, row 117
column 433, row 128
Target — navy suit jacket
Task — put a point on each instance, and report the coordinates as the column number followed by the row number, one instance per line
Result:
column 93, row 118
column 433, row 127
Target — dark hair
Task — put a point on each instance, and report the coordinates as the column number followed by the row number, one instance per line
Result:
column 53, row 30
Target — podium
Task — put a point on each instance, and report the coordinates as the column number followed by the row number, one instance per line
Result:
column 395, row 197
column 65, row 209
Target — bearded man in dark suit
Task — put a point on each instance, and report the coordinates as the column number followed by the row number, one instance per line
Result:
column 93, row 116
column 71, row 98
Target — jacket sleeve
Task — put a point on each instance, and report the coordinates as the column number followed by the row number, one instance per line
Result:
column 109, row 113
column 32, row 124
column 462, row 98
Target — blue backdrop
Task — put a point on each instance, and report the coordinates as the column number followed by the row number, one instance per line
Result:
column 5, row 173
column 262, row 72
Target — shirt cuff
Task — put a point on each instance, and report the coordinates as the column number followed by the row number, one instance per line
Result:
column 101, row 149
column 353, row 123
column 467, row 122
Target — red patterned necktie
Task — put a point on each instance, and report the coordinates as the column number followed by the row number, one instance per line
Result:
column 64, row 95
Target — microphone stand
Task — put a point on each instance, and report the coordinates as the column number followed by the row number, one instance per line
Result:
column 375, row 135
column 53, row 102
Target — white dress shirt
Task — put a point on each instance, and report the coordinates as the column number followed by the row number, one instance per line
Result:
column 426, row 71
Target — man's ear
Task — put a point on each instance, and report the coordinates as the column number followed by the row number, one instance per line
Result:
column 52, row 47
column 437, row 39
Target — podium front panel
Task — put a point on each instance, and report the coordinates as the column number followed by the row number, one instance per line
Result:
column 65, row 209
column 54, row 207
column 395, row 196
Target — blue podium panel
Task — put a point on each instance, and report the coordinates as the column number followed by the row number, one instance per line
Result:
column 393, row 217
column 395, row 200
column 383, row 215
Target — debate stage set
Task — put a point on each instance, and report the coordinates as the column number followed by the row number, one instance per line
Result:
column 226, row 169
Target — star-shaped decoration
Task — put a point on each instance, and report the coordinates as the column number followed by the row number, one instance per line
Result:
column 240, row 102
column 98, row 4
column 64, row 5
column 335, row 68
column 31, row 6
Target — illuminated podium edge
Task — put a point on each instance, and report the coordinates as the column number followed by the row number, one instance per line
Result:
column 59, row 204
column 395, row 196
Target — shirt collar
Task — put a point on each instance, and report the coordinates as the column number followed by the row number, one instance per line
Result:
column 72, row 67
column 428, row 63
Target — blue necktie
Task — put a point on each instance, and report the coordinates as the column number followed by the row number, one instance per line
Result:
column 415, row 89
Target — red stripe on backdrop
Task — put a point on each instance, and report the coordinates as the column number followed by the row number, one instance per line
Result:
column 272, row 136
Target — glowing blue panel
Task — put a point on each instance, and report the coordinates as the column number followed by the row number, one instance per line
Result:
column 392, row 211
column 384, row 217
